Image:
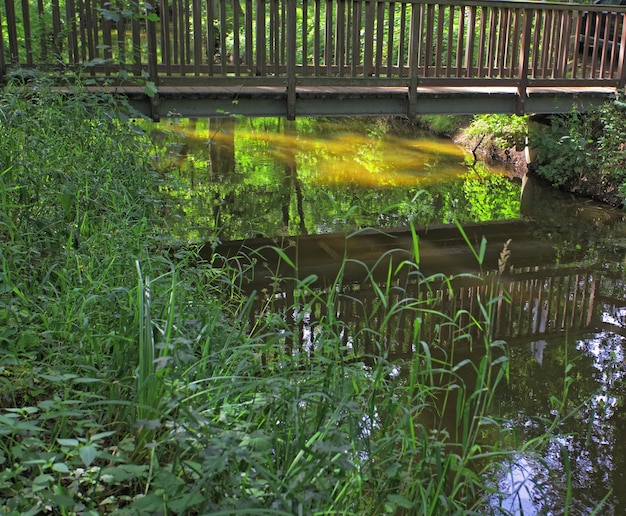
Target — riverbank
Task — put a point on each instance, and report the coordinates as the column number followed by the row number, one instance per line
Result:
column 601, row 187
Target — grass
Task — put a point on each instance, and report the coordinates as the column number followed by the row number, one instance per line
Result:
column 135, row 381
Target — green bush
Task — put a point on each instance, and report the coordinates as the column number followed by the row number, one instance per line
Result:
column 505, row 131
column 585, row 149
column 443, row 125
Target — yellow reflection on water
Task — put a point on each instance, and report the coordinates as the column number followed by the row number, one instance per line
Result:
column 335, row 155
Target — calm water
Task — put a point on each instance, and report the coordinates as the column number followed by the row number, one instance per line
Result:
column 271, row 178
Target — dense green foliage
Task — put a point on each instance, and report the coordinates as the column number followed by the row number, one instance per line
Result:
column 135, row 382
column 504, row 131
column 585, row 153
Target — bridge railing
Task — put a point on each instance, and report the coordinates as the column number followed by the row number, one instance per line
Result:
column 338, row 42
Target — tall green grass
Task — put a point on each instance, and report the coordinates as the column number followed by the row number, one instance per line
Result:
column 136, row 379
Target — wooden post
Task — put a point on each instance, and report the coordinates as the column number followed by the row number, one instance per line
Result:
column 523, row 65
column 291, row 59
column 414, row 34
column 368, row 46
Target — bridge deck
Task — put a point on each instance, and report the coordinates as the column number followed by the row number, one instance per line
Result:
column 219, row 101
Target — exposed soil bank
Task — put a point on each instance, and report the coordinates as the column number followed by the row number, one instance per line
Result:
column 512, row 159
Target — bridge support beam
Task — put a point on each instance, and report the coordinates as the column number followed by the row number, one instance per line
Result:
column 536, row 125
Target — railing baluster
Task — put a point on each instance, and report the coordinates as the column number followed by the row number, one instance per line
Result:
column 391, row 39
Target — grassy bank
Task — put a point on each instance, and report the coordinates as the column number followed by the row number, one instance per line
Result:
column 134, row 382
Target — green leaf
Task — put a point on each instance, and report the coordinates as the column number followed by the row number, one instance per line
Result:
column 42, row 482
column 400, row 501
column 109, row 15
column 88, row 454
column 150, row 89
column 150, row 503
column 101, row 435
column 60, row 467
column 68, row 442
column 124, row 472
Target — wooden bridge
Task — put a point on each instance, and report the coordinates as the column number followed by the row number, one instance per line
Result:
column 294, row 58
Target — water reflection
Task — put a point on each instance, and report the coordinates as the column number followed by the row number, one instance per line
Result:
column 239, row 179
column 563, row 315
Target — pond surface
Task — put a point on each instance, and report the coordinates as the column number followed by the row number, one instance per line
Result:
column 565, row 325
